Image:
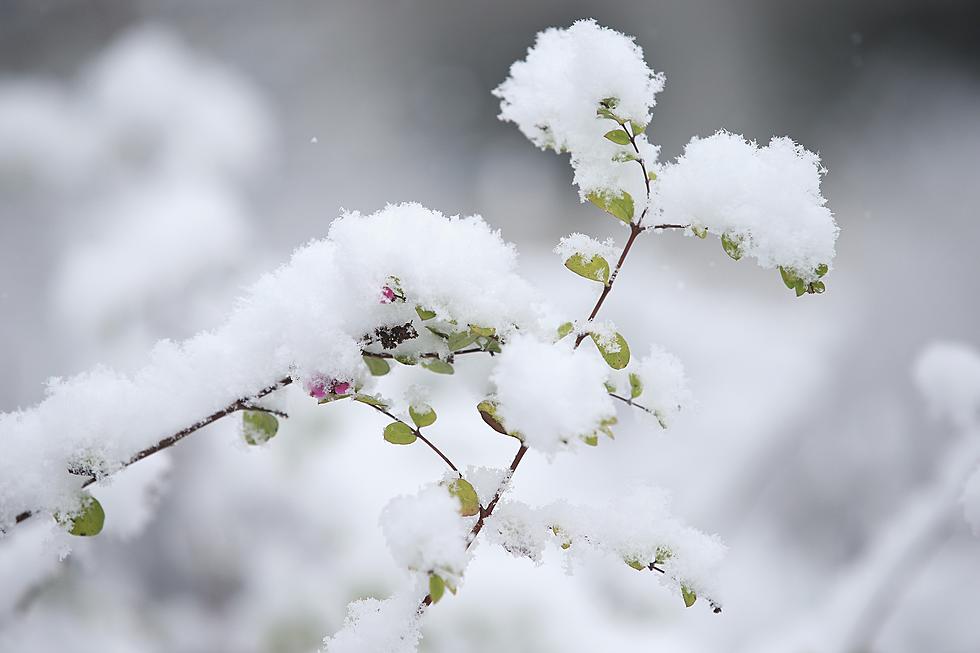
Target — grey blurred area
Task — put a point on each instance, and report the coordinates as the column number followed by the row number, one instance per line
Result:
column 371, row 102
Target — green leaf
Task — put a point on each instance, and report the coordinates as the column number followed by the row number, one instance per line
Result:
column 635, row 564
column 425, row 416
column 732, row 245
column 662, row 555
column 603, row 112
column 618, row 205
column 259, row 426
column 377, row 366
column 424, row 314
column 595, row 269
column 689, row 596
column 636, row 385
column 370, row 400
column 404, row 359
column 637, row 128
column 469, row 502
column 789, row 277
column 618, row 136
column 399, row 433
column 460, row 340
column 699, row 231
column 437, row 365
column 89, row 519
column 652, row 176
column 625, row 157
column 591, row 440
column 437, row 587
column 610, row 388
column 488, row 411
column 609, row 102
column 486, row 332
column 822, row 269
column 800, row 287
column 615, row 350
column 491, row 345
column 565, row 329
column 437, row 332
column 817, row 287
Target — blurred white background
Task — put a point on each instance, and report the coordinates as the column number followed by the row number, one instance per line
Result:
column 156, row 157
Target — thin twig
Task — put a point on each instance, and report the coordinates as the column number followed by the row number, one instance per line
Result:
column 166, row 443
column 636, row 229
column 418, row 434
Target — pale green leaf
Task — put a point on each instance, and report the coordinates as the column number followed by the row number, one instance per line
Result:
column 377, row 366
column 469, row 502
column 619, row 205
column 258, row 426
column 423, row 416
column 618, row 136
column 615, row 350
column 89, row 519
column 437, row 587
column 732, row 245
column 399, row 433
column 593, row 269
column 437, row 365
column 636, row 385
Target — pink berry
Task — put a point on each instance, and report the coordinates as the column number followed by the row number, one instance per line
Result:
column 340, row 388
column 387, row 295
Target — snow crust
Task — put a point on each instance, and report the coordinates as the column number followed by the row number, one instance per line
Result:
column 552, row 96
column 551, row 393
column 769, row 197
column 307, row 318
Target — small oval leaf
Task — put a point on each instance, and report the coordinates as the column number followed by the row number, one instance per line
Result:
column 437, row 365
column 88, row 521
column 593, row 269
column 689, row 596
column 399, row 433
column 377, row 366
column 636, row 385
column 423, row 416
column 565, row 329
column 619, row 205
column 424, row 313
column 469, row 502
column 618, row 136
column 437, row 587
column 615, row 350
column 259, row 426
column 732, row 245
column 370, row 400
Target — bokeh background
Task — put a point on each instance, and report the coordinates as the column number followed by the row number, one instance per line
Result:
column 156, row 157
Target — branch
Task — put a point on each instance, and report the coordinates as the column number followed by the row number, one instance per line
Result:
column 418, row 434
column 245, row 403
column 636, row 229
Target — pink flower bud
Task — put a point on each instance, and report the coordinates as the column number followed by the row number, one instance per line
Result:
column 387, row 295
column 317, row 386
column 339, row 388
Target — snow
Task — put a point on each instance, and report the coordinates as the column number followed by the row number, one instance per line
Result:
column 426, row 534
column 587, row 246
column 389, row 626
column 551, row 393
column 664, row 383
column 306, row 318
column 637, row 526
column 947, row 375
column 768, row 196
column 553, row 94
